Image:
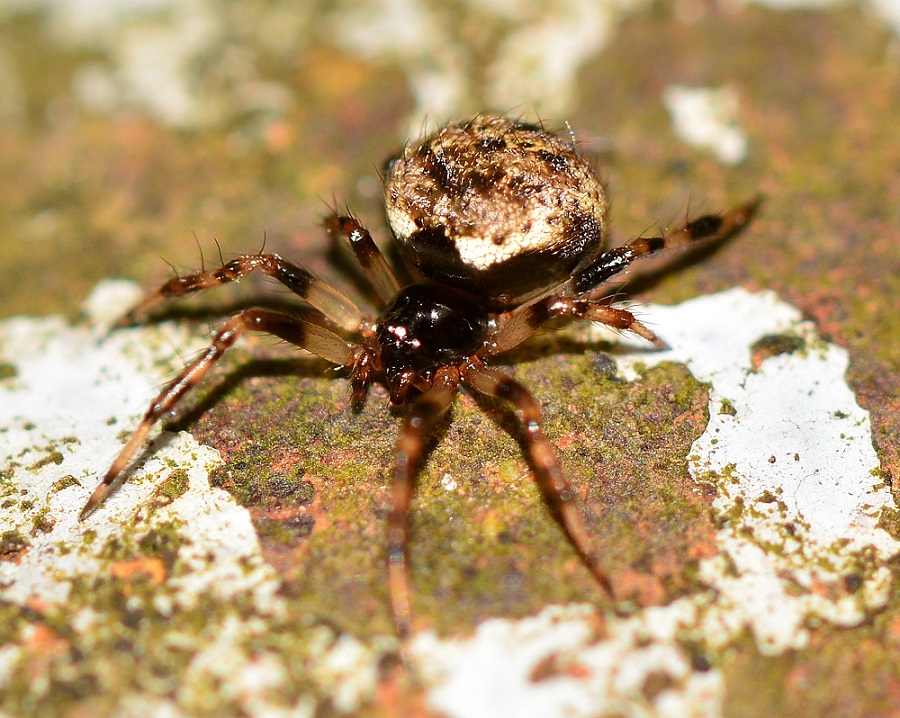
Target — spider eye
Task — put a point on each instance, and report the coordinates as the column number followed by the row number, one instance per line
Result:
column 388, row 167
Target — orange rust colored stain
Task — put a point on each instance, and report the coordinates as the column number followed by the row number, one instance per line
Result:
column 554, row 665
column 44, row 648
column 893, row 631
column 152, row 568
column 46, row 641
column 287, row 460
column 394, row 697
column 702, row 549
column 491, row 474
column 645, row 589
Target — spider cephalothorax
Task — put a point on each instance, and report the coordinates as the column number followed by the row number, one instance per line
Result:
column 502, row 224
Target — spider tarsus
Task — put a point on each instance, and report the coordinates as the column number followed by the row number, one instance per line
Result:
column 739, row 217
column 752, row 207
column 137, row 314
column 126, row 321
column 93, row 503
column 370, row 258
column 601, row 577
column 721, row 226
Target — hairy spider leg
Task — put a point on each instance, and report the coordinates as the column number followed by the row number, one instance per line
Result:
column 421, row 417
column 526, row 320
column 547, row 471
column 318, row 293
column 708, row 228
column 291, row 328
column 523, row 321
column 374, row 265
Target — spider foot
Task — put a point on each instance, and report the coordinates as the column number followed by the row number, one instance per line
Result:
column 93, row 503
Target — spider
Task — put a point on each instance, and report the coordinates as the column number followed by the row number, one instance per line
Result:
column 502, row 224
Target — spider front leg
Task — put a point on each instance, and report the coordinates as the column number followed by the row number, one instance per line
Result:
column 421, row 417
column 526, row 320
column 291, row 328
column 317, row 292
column 547, row 471
column 370, row 258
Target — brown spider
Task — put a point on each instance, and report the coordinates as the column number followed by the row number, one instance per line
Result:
column 502, row 223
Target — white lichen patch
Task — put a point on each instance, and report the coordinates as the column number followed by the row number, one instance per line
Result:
column 793, row 462
column 196, row 63
column 74, row 391
column 555, row 663
column 188, row 63
column 524, row 57
column 707, row 118
column 791, row 455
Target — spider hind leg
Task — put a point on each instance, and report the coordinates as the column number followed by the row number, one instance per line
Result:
column 708, row 228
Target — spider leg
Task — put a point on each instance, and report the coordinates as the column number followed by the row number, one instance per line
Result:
column 548, row 472
column 294, row 329
column 370, row 258
column 526, row 320
column 523, row 321
column 421, row 417
column 318, row 293
column 709, row 227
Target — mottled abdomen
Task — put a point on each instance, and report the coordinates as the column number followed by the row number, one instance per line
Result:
column 499, row 209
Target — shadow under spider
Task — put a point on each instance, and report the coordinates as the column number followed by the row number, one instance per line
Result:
column 504, row 418
column 308, row 367
column 204, row 402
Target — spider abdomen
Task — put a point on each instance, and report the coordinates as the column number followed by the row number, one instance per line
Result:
column 426, row 327
column 499, row 209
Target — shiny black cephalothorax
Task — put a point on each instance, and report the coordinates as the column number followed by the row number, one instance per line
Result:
column 502, row 224
column 426, row 327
